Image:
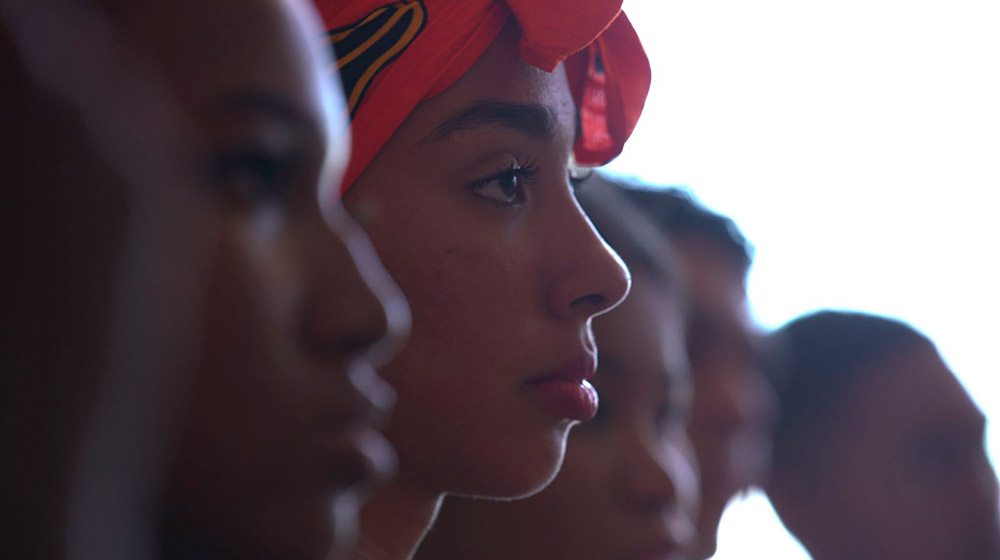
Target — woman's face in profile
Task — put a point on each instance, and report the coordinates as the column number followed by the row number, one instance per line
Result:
column 628, row 487
column 275, row 436
column 470, row 206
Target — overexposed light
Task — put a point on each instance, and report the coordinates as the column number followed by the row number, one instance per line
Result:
column 857, row 144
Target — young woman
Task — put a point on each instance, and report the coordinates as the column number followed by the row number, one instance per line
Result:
column 628, row 488
column 271, row 410
column 467, row 116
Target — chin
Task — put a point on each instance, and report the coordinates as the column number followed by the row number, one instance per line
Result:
column 526, row 470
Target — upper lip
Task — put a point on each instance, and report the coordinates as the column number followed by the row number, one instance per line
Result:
column 579, row 368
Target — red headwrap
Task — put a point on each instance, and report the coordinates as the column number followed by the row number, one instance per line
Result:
column 392, row 56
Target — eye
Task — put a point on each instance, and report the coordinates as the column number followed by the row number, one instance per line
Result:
column 507, row 186
column 253, row 177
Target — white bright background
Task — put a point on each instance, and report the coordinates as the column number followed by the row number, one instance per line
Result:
column 857, row 144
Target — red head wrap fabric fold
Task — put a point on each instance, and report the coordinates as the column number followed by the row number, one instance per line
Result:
column 393, row 55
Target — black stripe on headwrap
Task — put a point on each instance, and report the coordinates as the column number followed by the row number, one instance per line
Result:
column 368, row 45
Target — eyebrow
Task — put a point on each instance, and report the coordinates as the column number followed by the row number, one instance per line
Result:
column 260, row 102
column 263, row 102
column 538, row 121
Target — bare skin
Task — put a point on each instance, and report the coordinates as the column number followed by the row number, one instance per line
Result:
column 478, row 223
column 903, row 468
column 628, row 487
column 734, row 407
column 273, row 422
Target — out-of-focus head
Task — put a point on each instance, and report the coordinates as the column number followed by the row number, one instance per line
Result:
column 62, row 229
column 272, row 427
column 879, row 450
column 468, row 199
column 733, row 408
column 628, row 487
column 276, row 436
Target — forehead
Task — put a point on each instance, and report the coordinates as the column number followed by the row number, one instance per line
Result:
column 713, row 288
column 207, row 48
column 914, row 391
column 710, row 276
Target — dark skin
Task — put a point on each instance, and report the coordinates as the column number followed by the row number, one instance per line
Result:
column 477, row 221
column 292, row 327
column 899, row 472
column 273, row 411
column 628, row 487
column 734, row 407
column 57, row 287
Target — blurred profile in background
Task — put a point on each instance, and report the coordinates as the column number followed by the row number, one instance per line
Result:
column 734, row 406
column 191, row 320
column 628, row 486
column 879, row 449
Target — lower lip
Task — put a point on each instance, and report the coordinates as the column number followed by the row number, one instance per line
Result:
column 359, row 457
column 575, row 400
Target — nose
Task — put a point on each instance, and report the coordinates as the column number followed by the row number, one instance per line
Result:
column 661, row 481
column 659, row 475
column 737, row 397
column 590, row 278
column 353, row 307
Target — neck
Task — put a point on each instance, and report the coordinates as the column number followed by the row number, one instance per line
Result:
column 395, row 520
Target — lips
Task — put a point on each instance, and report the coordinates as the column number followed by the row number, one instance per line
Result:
column 566, row 391
column 356, row 454
column 358, row 458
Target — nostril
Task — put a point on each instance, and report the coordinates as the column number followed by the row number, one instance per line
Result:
column 590, row 300
column 655, row 505
column 359, row 342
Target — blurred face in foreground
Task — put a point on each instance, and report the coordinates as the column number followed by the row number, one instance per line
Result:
column 903, row 469
column 471, row 208
column 734, row 407
column 628, row 488
column 275, row 438
column 62, row 230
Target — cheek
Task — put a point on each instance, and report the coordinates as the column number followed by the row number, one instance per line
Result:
column 587, row 480
column 469, row 286
column 237, row 399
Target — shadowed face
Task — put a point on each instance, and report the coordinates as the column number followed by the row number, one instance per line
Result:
column 627, row 489
column 470, row 206
column 276, row 435
column 734, row 407
column 904, row 469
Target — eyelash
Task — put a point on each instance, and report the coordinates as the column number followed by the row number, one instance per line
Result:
column 253, row 177
column 523, row 174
